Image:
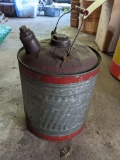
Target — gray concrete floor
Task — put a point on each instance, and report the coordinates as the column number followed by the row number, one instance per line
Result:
column 100, row 139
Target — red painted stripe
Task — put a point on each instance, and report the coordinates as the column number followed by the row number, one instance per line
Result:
column 28, row 72
column 115, row 69
column 57, row 79
column 67, row 79
column 53, row 138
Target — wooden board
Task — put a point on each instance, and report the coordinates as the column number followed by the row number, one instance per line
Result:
column 75, row 4
column 90, row 23
column 96, row 4
column 74, row 16
column 109, row 26
column 74, row 12
column 74, row 23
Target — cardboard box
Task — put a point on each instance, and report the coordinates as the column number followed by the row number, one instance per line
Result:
column 109, row 26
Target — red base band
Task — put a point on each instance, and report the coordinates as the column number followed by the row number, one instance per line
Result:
column 53, row 138
column 115, row 70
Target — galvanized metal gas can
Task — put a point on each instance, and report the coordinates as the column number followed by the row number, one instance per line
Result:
column 57, row 86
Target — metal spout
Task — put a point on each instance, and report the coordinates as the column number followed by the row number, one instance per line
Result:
column 30, row 42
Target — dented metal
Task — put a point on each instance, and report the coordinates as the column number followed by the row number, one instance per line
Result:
column 57, row 87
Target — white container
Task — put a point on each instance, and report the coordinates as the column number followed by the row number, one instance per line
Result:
column 52, row 11
column 26, row 8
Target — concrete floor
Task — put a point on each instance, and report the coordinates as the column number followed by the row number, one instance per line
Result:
column 100, row 140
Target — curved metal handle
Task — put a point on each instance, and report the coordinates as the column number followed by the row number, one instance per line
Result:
column 82, row 11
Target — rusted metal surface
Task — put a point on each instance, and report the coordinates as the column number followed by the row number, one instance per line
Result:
column 60, row 40
column 29, row 40
column 50, row 59
column 57, row 87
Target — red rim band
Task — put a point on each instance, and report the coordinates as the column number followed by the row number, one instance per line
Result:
column 53, row 138
column 57, row 79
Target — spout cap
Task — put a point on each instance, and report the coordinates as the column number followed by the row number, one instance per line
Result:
column 23, row 28
column 60, row 40
column 30, row 42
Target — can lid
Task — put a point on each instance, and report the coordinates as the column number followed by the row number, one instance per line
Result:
column 52, row 60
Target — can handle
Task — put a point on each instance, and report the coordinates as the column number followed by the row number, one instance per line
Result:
column 83, row 12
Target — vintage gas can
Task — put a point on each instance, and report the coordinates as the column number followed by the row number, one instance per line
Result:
column 57, row 85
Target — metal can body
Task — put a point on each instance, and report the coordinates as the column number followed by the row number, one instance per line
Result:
column 56, row 106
